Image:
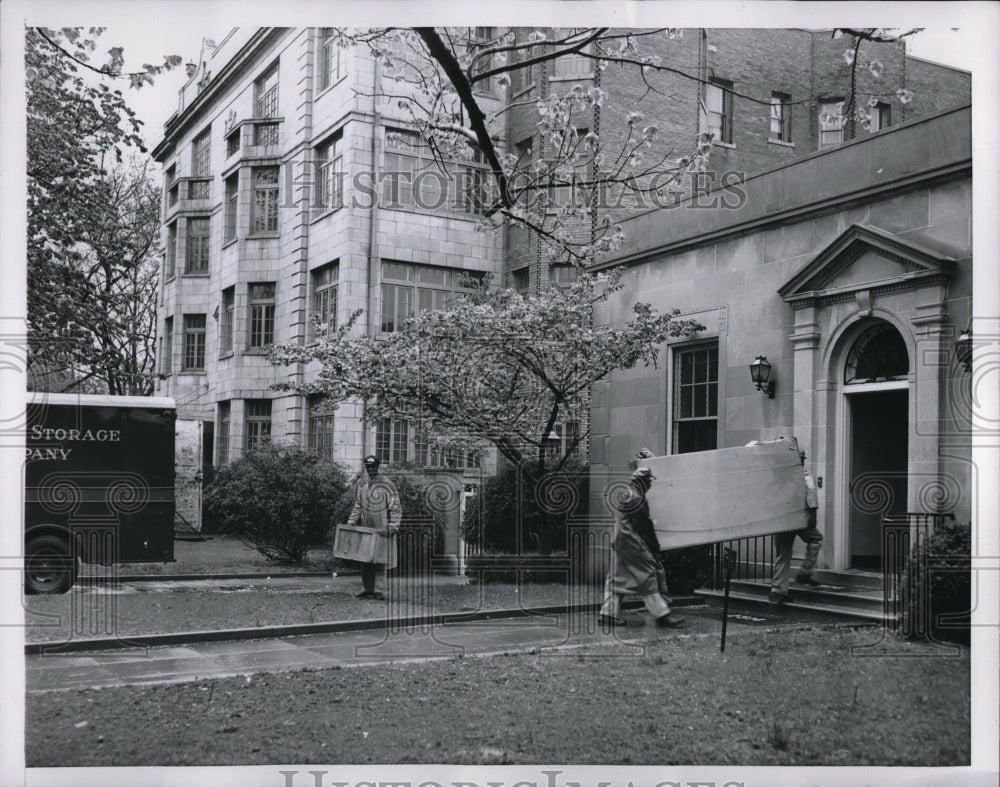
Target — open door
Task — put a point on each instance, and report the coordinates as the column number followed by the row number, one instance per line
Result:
column 188, row 476
column 878, row 473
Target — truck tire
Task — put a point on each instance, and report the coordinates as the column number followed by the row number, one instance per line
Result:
column 49, row 566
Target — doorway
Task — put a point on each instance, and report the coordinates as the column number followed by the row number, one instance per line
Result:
column 878, row 470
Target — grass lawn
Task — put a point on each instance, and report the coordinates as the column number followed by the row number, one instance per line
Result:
column 779, row 696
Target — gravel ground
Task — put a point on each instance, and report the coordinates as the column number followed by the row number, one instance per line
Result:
column 785, row 696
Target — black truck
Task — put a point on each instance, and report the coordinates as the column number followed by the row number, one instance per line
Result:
column 98, row 484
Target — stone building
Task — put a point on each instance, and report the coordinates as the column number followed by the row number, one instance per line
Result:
column 272, row 165
column 279, row 205
column 850, row 271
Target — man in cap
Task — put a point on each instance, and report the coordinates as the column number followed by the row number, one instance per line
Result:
column 376, row 505
column 635, row 567
column 783, row 543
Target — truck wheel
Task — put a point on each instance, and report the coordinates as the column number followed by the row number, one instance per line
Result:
column 50, row 567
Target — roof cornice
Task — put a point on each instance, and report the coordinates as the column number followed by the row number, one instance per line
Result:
column 234, row 68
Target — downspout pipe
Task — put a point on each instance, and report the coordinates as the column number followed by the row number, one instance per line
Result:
column 373, row 256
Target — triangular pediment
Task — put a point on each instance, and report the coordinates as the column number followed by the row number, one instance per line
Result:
column 865, row 258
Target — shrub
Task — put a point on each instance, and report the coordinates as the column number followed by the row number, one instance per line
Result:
column 687, row 568
column 938, row 583
column 542, row 511
column 421, row 527
column 279, row 500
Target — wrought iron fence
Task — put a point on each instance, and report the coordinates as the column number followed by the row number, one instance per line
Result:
column 901, row 534
column 754, row 559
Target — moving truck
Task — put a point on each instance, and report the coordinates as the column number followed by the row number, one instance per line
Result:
column 98, row 484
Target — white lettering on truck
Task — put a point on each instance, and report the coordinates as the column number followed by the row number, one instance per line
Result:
column 75, row 435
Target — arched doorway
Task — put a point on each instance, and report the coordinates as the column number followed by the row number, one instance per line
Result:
column 876, row 393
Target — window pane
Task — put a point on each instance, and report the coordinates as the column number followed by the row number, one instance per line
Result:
column 388, row 308
column 713, row 98
column 695, row 399
column 383, row 435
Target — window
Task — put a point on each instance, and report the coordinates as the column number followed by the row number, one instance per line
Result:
column 194, row 343
column 196, row 258
column 877, row 355
column 228, row 314
column 521, row 280
column 880, row 117
column 257, row 420
column 570, row 171
column 414, row 179
column 392, row 436
column 261, row 315
column 781, row 117
column 324, row 294
column 330, row 173
column 232, row 207
column 265, row 200
column 427, row 456
column 522, row 77
column 719, row 110
column 331, row 59
column 265, row 134
column 831, row 123
column 320, row 427
column 471, row 190
column 265, row 91
column 167, row 359
column 563, row 440
column 696, row 399
column 483, row 37
column 402, row 162
column 171, row 250
column 233, row 143
column 201, row 152
column 563, row 275
column 222, row 433
column 522, row 150
column 572, row 65
column 407, row 287
column 173, row 192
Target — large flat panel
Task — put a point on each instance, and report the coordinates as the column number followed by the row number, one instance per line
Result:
column 731, row 493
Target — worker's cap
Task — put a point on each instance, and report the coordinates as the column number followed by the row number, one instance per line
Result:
column 643, row 473
column 371, row 461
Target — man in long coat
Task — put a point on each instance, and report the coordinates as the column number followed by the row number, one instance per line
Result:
column 376, row 505
column 634, row 567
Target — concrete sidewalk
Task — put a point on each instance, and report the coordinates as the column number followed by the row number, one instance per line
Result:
column 551, row 634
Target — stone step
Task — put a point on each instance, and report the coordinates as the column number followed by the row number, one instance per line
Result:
column 826, row 594
column 799, row 608
column 851, row 579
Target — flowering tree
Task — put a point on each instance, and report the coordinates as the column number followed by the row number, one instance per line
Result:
column 492, row 368
column 440, row 78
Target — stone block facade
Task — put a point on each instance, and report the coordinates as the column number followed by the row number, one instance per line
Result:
column 806, row 282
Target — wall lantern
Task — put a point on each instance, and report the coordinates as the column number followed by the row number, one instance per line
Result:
column 760, row 373
column 963, row 348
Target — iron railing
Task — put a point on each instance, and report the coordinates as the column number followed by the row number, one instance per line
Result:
column 754, row 559
column 901, row 535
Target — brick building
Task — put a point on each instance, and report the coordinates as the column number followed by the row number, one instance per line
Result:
column 764, row 92
column 275, row 208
